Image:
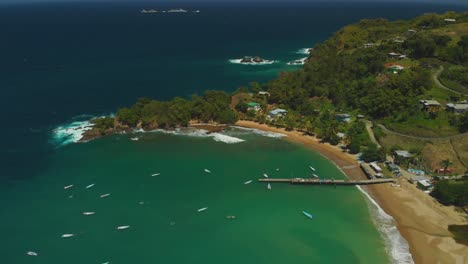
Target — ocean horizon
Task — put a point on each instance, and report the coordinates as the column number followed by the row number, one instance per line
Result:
column 63, row 64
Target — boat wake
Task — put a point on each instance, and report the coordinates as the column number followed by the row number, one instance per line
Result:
column 396, row 245
column 239, row 61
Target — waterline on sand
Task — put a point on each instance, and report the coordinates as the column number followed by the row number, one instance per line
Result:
column 397, row 247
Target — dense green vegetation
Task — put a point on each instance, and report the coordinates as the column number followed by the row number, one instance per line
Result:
column 460, row 233
column 353, row 77
column 451, row 192
column 213, row 106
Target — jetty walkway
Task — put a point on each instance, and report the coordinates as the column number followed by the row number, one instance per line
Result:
column 325, row 181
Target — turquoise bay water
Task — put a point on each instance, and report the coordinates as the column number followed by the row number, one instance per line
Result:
column 61, row 61
column 161, row 211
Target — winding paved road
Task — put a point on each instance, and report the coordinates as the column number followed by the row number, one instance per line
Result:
column 435, row 78
column 421, row 138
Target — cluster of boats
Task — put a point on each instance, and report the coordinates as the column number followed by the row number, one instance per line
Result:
column 123, row 227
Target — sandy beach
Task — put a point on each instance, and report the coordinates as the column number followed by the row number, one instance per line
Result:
column 421, row 220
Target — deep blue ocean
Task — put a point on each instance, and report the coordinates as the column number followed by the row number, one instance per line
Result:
column 60, row 61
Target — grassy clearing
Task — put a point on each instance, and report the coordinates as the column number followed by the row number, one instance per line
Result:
column 432, row 152
column 460, row 145
column 423, row 126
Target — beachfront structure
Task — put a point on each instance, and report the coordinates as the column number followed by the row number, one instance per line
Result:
column 416, row 179
column 375, row 167
column 402, row 156
column 367, row 170
column 450, row 20
column 253, row 106
column 431, row 105
column 394, row 168
column 424, row 185
column 457, row 108
column 264, row 93
column 343, row 117
column 278, row 112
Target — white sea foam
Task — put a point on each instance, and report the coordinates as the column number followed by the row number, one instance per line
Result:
column 300, row 61
column 396, row 245
column 195, row 132
column 225, row 138
column 304, row 51
column 265, row 62
column 71, row 133
column 261, row 132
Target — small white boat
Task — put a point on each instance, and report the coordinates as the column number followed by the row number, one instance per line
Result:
column 308, row 215
column 265, row 175
column 312, row 168
column 315, row 175
column 277, row 169
column 68, row 186
column 88, row 213
column 247, row 182
column 67, row 235
column 207, row 170
column 105, row 195
column 89, row 186
column 134, row 139
column 269, row 186
column 32, row 253
column 202, row 209
column 122, row 227
column 155, row 174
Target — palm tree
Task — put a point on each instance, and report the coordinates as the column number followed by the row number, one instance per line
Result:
column 445, row 164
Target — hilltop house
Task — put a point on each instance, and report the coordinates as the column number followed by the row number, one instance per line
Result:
column 396, row 55
column 402, row 156
column 264, row 93
column 253, row 106
column 450, row 20
column 398, row 39
column 368, row 45
column 278, row 112
column 431, row 105
column 411, row 32
column 457, row 108
column 343, row 117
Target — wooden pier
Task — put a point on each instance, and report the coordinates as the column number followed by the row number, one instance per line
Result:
column 326, row 181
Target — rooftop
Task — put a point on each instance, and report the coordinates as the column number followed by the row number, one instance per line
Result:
column 429, row 102
column 253, row 104
column 278, row 111
column 458, row 106
column 403, row 153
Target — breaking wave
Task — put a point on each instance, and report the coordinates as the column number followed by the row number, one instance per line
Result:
column 261, row 132
column 70, row 133
column 396, row 245
column 300, row 61
column 265, row 62
column 304, row 51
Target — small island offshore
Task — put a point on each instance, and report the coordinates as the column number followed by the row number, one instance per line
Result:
column 380, row 99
